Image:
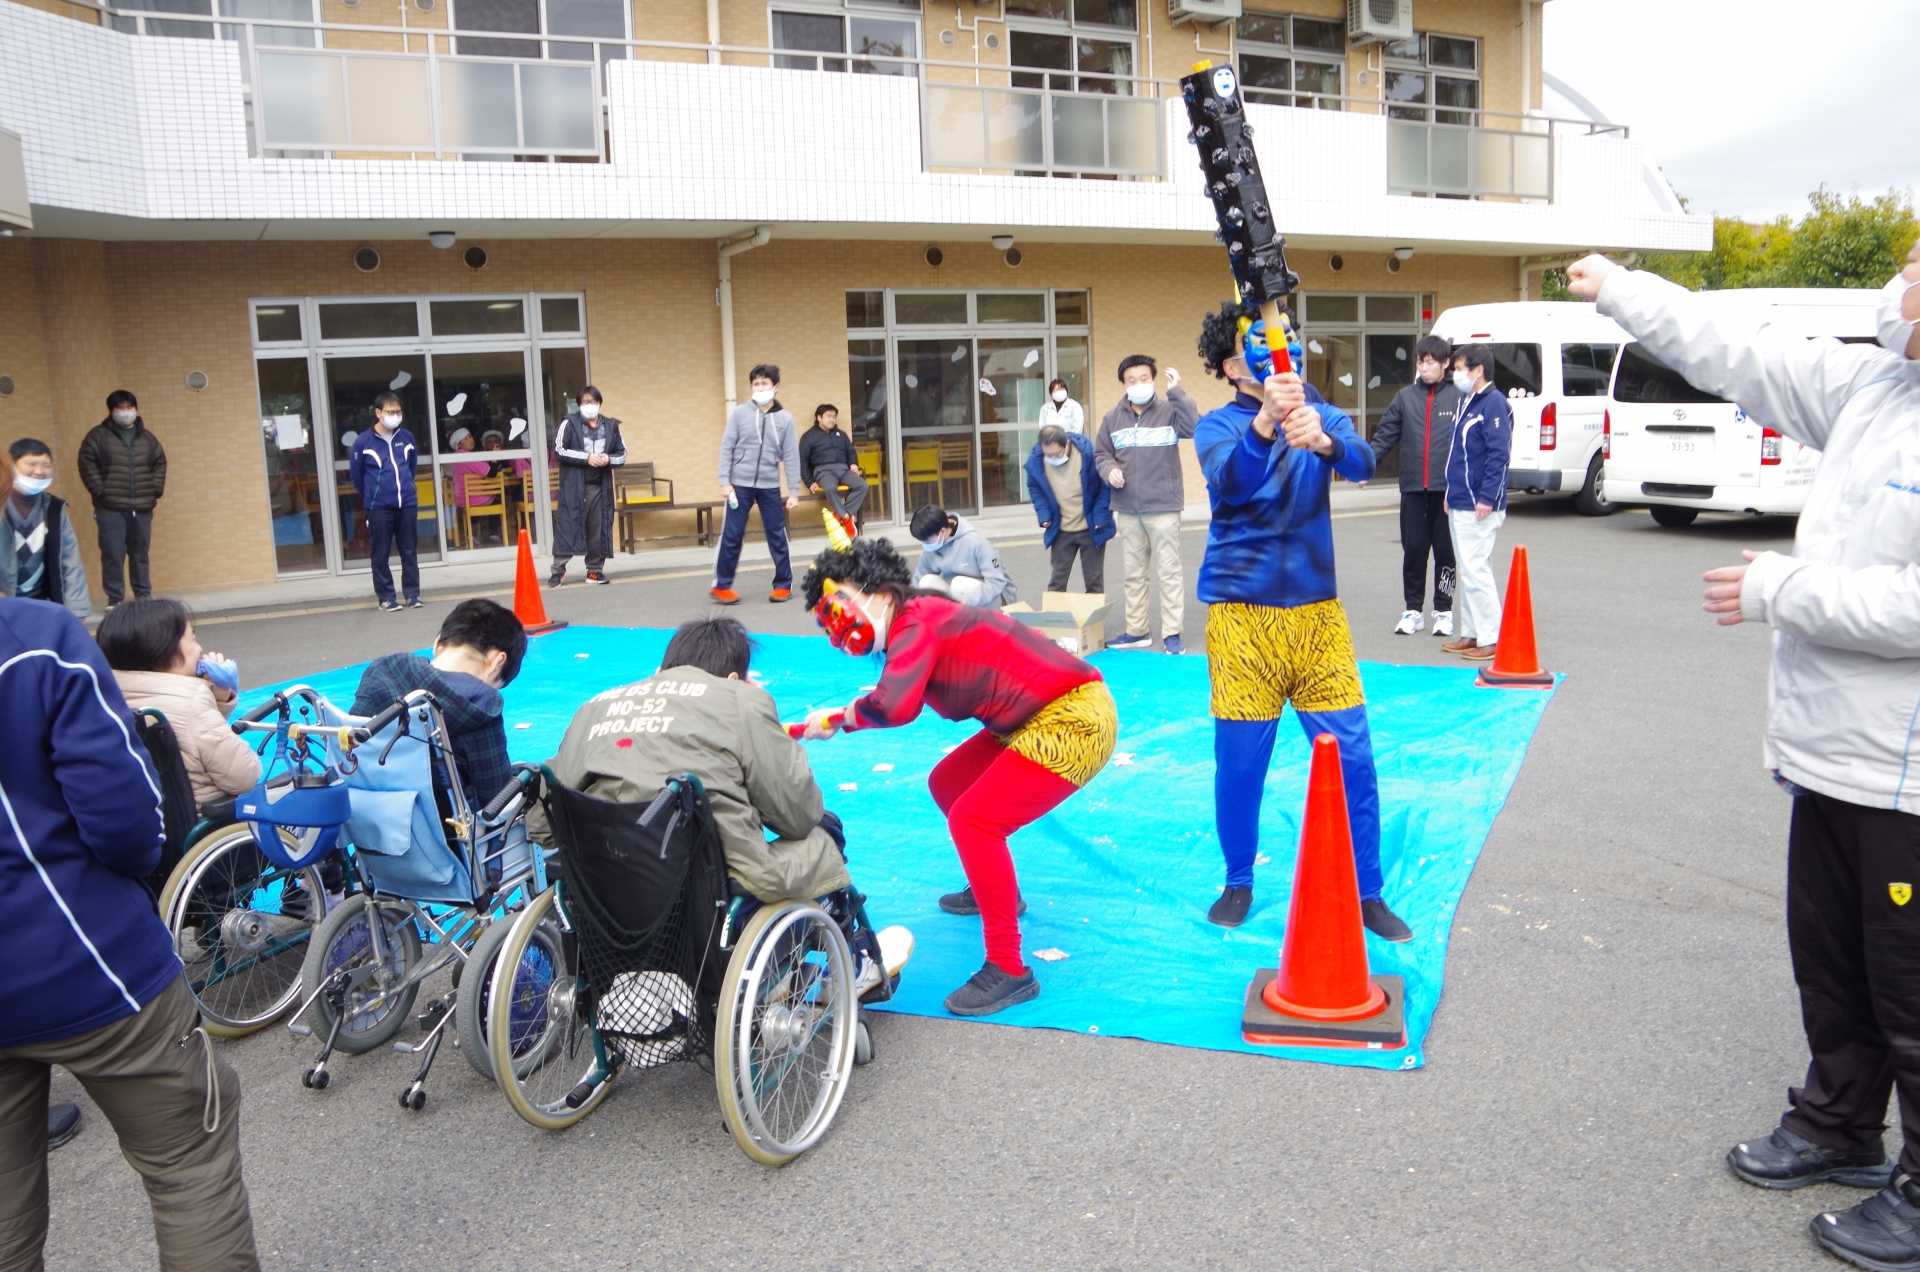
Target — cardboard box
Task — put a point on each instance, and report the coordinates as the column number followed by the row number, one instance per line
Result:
column 1074, row 621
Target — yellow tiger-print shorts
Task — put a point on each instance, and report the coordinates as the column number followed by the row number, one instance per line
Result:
column 1073, row 735
column 1261, row 657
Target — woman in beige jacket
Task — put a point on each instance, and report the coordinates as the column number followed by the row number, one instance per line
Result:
column 159, row 665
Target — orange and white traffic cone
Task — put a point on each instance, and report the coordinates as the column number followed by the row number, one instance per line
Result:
column 1516, row 658
column 527, row 605
column 1323, row 995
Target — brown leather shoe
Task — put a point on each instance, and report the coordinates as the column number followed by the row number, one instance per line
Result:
column 1479, row 653
column 780, row 594
column 724, row 595
column 1460, row 646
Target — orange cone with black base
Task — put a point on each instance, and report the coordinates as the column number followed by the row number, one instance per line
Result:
column 1322, row 995
column 527, row 605
column 1516, row 659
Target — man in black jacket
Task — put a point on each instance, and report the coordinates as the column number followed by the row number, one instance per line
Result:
column 827, row 462
column 124, row 467
column 589, row 448
column 1420, row 422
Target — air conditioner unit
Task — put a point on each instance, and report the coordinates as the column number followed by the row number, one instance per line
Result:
column 1212, row 12
column 1379, row 21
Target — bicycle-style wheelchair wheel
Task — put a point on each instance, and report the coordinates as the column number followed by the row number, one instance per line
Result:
column 546, row 1055
column 241, row 926
column 785, row 1042
column 373, row 993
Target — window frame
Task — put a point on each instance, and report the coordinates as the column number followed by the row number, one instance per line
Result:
column 543, row 40
column 847, row 61
column 1591, row 349
column 1292, row 54
column 1075, row 30
column 1429, row 109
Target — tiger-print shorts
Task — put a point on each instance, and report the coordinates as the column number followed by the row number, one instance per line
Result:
column 1072, row 736
column 1261, row 657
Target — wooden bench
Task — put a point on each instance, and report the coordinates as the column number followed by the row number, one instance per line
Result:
column 637, row 490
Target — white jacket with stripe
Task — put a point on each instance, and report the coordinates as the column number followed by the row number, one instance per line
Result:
column 1843, row 698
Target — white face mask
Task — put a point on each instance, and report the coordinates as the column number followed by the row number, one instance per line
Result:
column 1896, row 331
column 391, row 421
column 1463, row 381
column 125, row 419
column 30, row 486
column 1058, row 460
column 589, row 410
column 1140, row 394
column 1059, row 395
column 762, row 396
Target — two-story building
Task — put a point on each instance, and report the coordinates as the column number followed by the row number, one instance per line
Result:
column 257, row 214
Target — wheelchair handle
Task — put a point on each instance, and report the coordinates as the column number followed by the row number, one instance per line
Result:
column 834, row 721
column 524, row 775
column 362, row 732
column 276, row 703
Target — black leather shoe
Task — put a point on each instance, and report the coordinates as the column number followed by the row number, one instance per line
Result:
column 1882, row 1232
column 1383, row 922
column 63, row 1123
column 962, row 902
column 1230, row 910
column 1784, row 1160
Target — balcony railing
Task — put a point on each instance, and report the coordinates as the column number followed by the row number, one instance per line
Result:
column 1463, row 160
column 1041, row 131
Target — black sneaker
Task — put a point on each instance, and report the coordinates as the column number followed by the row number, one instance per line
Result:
column 1231, row 908
column 962, row 902
column 989, row 990
column 414, row 602
column 1382, row 922
column 555, row 580
column 1882, row 1232
column 1784, row 1160
column 594, row 576
column 63, row 1121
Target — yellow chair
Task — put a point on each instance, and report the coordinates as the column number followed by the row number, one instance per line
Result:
column 553, row 497
column 868, row 457
column 923, row 469
column 474, row 506
column 956, row 464
column 429, row 511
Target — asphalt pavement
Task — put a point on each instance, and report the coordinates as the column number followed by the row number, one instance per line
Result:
column 1618, row 1010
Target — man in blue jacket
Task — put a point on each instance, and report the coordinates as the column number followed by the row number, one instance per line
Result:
column 88, row 976
column 1072, row 505
column 1477, row 499
column 382, row 470
column 1276, row 632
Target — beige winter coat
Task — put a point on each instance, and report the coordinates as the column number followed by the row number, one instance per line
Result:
column 219, row 761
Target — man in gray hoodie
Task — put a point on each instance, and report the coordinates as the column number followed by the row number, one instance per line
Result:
column 759, row 444
column 1138, row 454
column 957, row 559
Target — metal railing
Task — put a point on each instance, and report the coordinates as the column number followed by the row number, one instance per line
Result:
column 1457, row 159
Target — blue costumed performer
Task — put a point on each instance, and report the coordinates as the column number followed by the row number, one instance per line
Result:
column 1276, row 632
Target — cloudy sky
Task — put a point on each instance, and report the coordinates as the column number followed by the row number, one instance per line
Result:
column 1750, row 104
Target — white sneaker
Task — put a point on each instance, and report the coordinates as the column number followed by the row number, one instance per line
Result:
column 1410, row 622
column 1443, row 622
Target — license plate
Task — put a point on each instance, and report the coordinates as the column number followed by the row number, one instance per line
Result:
column 1682, row 445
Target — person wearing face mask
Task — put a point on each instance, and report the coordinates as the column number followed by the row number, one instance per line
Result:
column 382, row 470
column 957, row 559
column 39, row 552
column 1842, row 714
column 589, row 448
column 124, row 467
column 1276, row 632
column 1420, row 422
column 1071, row 504
column 1047, row 721
column 1138, row 454
column 1061, row 411
column 757, row 448
column 1477, row 457
column 828, row 462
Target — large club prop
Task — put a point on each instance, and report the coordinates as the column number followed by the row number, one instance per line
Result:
column 1256, row 252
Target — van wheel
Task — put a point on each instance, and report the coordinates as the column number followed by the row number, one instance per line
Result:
column 1673, row 518
column 1592, row 499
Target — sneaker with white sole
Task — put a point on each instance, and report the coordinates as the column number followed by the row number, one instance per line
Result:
column 1410, row 622
column 896, row 947
column 1443, row 622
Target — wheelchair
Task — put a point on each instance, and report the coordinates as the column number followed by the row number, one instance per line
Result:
column 239, row 922
column 643, row 953
column 425, row 876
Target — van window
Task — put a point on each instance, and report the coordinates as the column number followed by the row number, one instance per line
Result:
column 1644, row 378
column 1516, row 369
column 1585, row 369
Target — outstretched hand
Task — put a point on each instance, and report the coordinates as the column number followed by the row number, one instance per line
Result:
column 1723, row 591
column 1586, row 276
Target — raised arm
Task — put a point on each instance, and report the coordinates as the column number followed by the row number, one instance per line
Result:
column 1186, row 412
column 902, row 690
column 1872, row 610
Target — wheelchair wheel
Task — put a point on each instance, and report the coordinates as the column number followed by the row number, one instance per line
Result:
column 241, row 926
column 785, row 1042
column 474, row 981
column 344, row 942
column 545, row 1053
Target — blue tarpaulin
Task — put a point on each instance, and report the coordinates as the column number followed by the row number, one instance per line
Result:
column 1119, row 877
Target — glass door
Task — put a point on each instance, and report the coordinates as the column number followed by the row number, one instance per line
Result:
column 483, row 437
column 353, row 380
column 1013, row 388
column 293, row 446
column 937, row 426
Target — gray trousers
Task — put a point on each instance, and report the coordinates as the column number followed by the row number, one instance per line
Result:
column 148, row 1075
column 829, row 477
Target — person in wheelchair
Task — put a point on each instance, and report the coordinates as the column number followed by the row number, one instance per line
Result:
column 159, row 665
column 700, row 714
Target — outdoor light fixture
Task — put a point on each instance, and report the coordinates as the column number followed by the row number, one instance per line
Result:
column 442, row 239
column 1001, row 242
column 1402, row 253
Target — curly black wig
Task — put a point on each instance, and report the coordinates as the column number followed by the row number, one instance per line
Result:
column 872, row 565
column 1220, row 335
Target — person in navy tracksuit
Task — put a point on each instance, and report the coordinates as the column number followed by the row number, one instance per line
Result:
column 89, row 979
column 1477, row 499
column 382, row 470
column 1073, row 506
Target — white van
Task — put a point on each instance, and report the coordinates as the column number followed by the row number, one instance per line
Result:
column 1553, row 360
column 1680, row 450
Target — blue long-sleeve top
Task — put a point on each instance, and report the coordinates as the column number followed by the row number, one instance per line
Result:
column 1271, row 541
